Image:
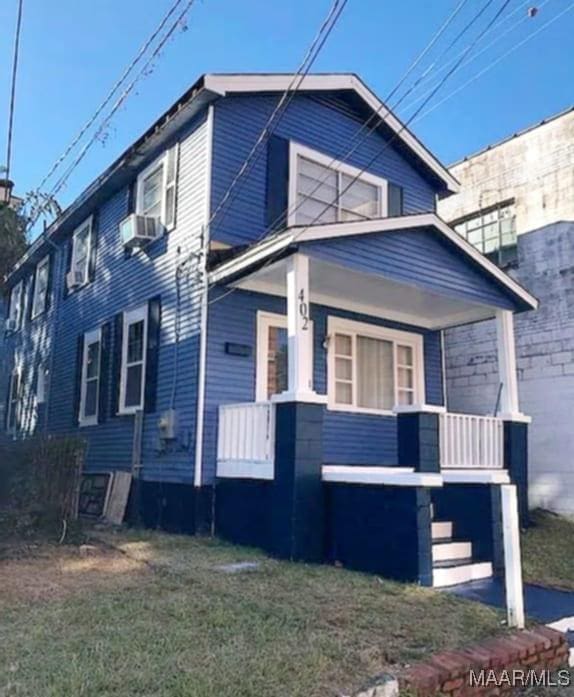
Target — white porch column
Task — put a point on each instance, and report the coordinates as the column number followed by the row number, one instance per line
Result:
column 299, row 334
column 507, row 364
column 512, row 560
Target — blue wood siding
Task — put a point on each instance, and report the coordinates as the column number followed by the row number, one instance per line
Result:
column 312, row 122
column 120, row 284
column 416, row 257
column 360, row 439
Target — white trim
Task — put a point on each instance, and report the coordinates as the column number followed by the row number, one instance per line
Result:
column 417, row 408
column 307, row 397
column 225, row 84
column 265, row 320
column 345, row 326
column 512, row 560
column 87, row 223
column 91, row 337
column 139, row 314
column 506, row 347
column 161, row 161
column 517, row 417
column 238, row 469
column 200, row 410
column 45, row 261
column 391, row 476
column 365, row 227
column 297, row 150
column 468, row 476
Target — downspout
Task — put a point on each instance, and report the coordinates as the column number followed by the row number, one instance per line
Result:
column 198, row 469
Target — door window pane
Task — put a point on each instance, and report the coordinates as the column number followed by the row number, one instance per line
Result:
column 276, row 360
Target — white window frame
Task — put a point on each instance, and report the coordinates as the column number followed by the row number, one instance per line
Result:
column 16, row 404
column 161, row 161
column 86, row 224
column 265, row 320
column 131, row 317
column 297, row 150
column 337, row 325
column 91, row 337
column 16, row 304
column 37, row 299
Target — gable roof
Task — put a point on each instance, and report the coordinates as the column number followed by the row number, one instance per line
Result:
column 270, row 247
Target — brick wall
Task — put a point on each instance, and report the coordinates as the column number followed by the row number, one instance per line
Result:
column 545, row 362
column 449, row 673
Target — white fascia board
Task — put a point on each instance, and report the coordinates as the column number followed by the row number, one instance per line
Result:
column 475, row 476
column 251, row 256
column 381, row 476
column 226, row 84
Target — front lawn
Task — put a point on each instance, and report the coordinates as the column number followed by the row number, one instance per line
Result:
column 163, row 618
column 548, row 551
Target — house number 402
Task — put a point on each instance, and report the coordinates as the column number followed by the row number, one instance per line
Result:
column 303, row 310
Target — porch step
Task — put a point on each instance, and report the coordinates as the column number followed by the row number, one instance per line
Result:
column 451, row 575
column 441, row 530
column 447, row 551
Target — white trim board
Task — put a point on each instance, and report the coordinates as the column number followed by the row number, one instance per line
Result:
column 249, row 83
column 291, row 235
column 382, row 476
column 239, row 469
column 475, row 476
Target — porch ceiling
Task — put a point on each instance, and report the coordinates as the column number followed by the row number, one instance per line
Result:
column 344, row 288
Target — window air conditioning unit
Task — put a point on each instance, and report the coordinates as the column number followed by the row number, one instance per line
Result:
column 138, row 230
column 74, row 279
column 11, row 325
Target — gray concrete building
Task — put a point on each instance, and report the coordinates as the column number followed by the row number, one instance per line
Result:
column 517, row 206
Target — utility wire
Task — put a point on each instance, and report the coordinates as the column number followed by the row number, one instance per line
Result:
column 12, row 105
column 125, row 94
column 143, row 49
column 311, row 55
column 378, row 154
column 497, row 61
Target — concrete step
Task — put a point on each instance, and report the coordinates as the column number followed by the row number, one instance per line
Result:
column 441, row 530
column 446, row 551
column 462, row 573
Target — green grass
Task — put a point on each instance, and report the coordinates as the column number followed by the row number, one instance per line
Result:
column 548, row 551
column 177, row 626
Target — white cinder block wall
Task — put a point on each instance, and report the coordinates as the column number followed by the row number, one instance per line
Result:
column 545, row 360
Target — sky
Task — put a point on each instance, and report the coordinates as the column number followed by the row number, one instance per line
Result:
column 72, row 52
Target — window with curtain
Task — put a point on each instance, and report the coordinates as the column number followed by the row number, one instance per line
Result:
column 373, row 368
column 329, row 191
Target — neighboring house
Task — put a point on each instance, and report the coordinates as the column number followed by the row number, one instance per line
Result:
column 517, row 204
column 270, row 361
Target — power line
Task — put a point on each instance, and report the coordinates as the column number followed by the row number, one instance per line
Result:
column 391, row 140
column 143, row 49
column 311, row 55
column 125, row 94
column 500, row 58
column 12, row 105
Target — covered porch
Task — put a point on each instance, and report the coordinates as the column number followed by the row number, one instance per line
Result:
column 348, row 321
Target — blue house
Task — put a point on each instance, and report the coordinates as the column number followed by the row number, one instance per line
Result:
column 255, row 333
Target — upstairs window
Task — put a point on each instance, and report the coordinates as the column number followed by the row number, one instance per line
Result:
column 372, row 369
column 156, row 189
column 323, row 190
column 81, row 250
column 41, row 287
column 91, row 366
column 16, row 305
column 134, row 347
column 492, row 231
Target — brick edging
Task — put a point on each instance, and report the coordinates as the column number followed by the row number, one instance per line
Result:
column 448, row 673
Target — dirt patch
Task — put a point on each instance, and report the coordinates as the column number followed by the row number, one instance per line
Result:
column 50, row 572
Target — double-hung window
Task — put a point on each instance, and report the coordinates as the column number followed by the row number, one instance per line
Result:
column 324, row 190
column 41, row 287
column 91, row 369
column 14, row 401
column 134, row 347
column 16, row 305
column 156, row 189
column 81, row 250
column 373, row 369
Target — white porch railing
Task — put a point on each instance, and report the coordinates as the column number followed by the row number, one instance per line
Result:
column 468, row 441
column 246, row 440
